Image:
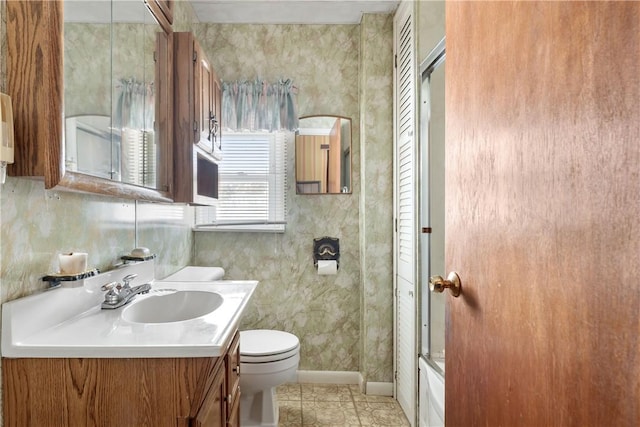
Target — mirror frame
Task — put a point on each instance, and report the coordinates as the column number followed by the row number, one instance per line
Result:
column 36, row 27
column 337, row 116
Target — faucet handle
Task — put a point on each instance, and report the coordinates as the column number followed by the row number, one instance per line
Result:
column 111, row 286
column 113, row 296
column 126, row 279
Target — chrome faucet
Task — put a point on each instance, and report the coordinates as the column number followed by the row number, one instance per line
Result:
column 121, row 294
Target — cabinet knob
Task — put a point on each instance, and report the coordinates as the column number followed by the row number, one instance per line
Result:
column 236, row 369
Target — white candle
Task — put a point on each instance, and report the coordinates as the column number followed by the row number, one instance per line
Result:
column 73, row 263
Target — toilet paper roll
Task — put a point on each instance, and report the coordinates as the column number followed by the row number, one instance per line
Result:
column 327, row 267
column 73, row 263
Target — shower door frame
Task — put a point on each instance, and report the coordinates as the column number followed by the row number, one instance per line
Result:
column 425, row 398
column 435, row 59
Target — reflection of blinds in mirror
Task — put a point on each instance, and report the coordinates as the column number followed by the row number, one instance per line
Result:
column 138, row 157
column 149, row 160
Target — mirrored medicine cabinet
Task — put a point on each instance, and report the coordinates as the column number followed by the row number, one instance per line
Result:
column 323, row 155
column 94, row 114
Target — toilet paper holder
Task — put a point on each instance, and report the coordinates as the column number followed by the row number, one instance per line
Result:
column 326, row 248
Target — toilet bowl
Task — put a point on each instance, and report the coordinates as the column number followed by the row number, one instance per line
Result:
column 267, row 359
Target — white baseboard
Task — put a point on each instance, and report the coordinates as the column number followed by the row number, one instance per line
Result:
column 345, row 377
column 379, row 389
column 329, row 377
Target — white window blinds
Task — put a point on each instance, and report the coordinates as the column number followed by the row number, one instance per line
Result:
column 252, row 184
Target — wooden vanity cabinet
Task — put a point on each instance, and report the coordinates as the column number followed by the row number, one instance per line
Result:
column 197, row 111
column 120, row 392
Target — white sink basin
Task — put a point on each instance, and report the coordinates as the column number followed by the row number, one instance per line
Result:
column 172, row 306
column 175, row 319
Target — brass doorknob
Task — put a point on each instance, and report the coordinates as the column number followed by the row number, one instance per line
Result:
column 453, row 283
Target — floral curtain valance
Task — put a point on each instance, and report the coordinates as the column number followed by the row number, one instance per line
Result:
column 135, row 106
column 256, row 105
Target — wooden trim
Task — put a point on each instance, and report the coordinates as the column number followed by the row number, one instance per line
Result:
column 160, row 16
column 184, row 101
column 78, row 182
column 164, row 109
column 166, row 6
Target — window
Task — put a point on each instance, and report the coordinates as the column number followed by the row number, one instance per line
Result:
column 252, row 184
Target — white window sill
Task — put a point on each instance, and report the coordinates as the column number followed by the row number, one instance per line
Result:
column 262, row 228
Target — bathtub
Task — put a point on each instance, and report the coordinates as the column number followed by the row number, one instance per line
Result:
column 431, row 399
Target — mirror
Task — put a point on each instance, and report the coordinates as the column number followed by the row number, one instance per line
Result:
column 93, row 155
column 323, row 155
column 110, row 91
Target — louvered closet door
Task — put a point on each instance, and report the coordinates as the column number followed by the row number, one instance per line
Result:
column 405, row 201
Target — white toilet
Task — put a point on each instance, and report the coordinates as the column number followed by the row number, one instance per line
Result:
column 267, row 359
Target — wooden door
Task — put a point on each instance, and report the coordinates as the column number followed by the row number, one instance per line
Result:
column 543, row 213
column 405, row 238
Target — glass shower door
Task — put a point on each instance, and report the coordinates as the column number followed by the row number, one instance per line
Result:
column 432, row 196
column 432, row 252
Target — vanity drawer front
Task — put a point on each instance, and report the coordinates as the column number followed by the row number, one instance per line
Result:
column 233, row 370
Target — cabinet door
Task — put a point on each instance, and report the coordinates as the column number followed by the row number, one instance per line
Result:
column 232, row 362
column 216, row 137
column 204, row 102
column 213, row 412
column 50, row 81
column 197, row 181
column 234, row 415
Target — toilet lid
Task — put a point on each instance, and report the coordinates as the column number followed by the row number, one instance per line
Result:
column 257, row 343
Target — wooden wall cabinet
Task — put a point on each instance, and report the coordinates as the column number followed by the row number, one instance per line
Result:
column 120, row 392
column 35, row 82
column 197, row 108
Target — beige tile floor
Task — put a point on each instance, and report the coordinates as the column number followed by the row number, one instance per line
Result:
column 310, row 405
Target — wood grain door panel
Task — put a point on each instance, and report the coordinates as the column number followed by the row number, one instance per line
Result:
column 543, row 213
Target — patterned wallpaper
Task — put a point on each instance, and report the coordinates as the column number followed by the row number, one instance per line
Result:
column 376, row 212
column 325, row 312
column 37, row 224
column 97, row 56
column 184, row 18
column 344, row 321
column 430, row 21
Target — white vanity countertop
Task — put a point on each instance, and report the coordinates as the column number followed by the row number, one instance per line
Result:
column 69, row 322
